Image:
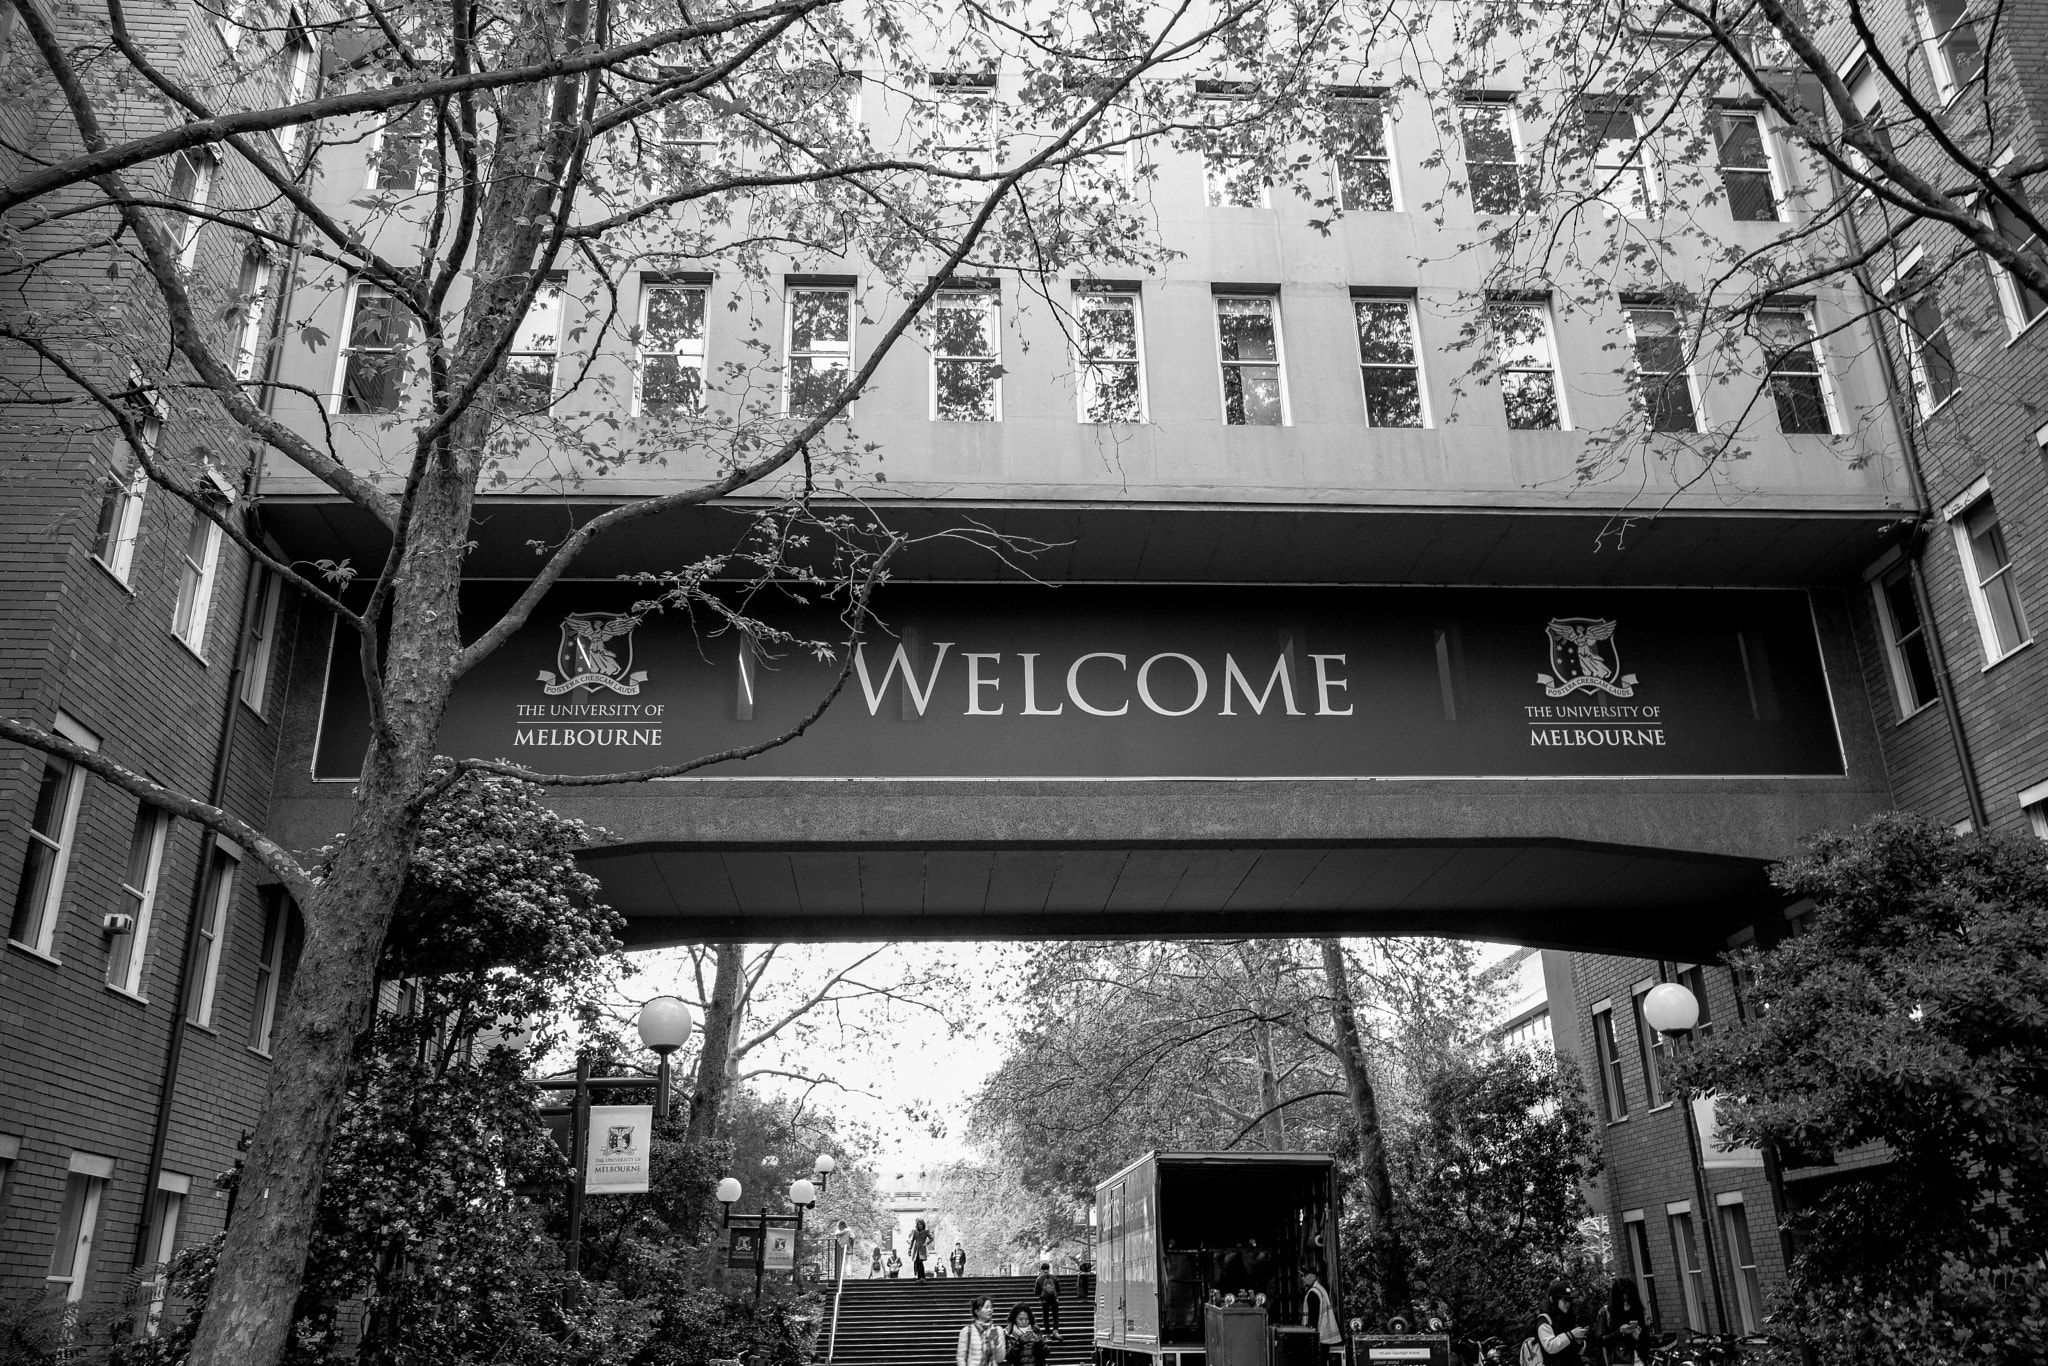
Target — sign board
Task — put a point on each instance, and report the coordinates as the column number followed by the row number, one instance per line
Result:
column 1093, row 681
column 743, row 1247
column 617, row 1143
column 1414, row 1349
column 781, row 1253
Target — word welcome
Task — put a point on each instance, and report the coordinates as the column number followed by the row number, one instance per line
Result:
column 1101, row 682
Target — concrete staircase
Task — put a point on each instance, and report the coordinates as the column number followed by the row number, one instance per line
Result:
column 908, row 1322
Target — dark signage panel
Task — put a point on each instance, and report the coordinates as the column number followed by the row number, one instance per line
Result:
column 1094, row 681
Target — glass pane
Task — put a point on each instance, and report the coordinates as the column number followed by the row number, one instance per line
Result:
column 1531, row 401
column 1802, row 407
column 674, row 315
column 1520, row 339
column 820, row 320
column 1987, row 546
column 1671, row 407
column 49, row 812
column 1109, row 329
column 1741, row 142
column 1788, row 341
column 1937, row 366
column 1251, row 395
column 1495, row 189
column 1236, row 182
column 378, row 321
column 966, row 390
column 112, row 501
column 2009, row 622
column 1366, row 186
column 669, row 386
column 1488, row 135
column 1749, row 196
column 1109, row 393
column 963, row 327
column 532, row 376
column 31, row 893
column 541, row 328
column 1361, row 127
column 70, row 1222
column 371, row 382
column 1392, row 398
column 1244, row 328
column 813, row 380
column 1384, row 337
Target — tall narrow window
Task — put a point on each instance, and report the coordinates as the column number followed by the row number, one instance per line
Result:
column 1747, row 173
column 1388, row 364
column 1661, row 376
column 2021, row 301
column 262, row 641
column 203, row 972
column 269, row 970
column 128, row 949
column 78, row 1220
column 1954, row 55
column 2033, row 805
column 120, row 516
column 1111, row 362
column 1493, row 159
column 52, row 823
column 166, row 1213
column 1620, row 178
column 1749, row 1288
column 1248, row 345
column 1528, row 365
column 1905, row 640
column 964, row 120
column 1799, row 386
column 820, row 348
column 299, row 66
column 1231, row 176
column 1365, row 169
column 1693, row 977
column 1641, row 1268
column 1987, row 570
column 536, row 348
column 967, row 356
column 1930, row 354
column 195, row 583
column 1685, row 1251
column 671, row 350
column 191, row 183
column 252, row 299
column 1613, row 1092
column 1650, row 1046
column 379, row 331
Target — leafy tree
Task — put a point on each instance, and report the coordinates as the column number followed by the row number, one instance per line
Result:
column 1912, row 1015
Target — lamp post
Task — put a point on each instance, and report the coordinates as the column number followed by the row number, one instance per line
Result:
column 1672, row 1010
column 665, row 1024
column 803, row 1194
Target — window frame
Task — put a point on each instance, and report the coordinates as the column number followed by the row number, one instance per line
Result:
column 965, row 89
column 553, row 294
column 209, row 936
column 1271, row 300
column 1506, row 105
column 1380, row 105
column 128, row 952
column 1773, row 166
column 1636, row 371
column 1651, row 1046
column 42, row 921
column 2034, row 806
column 348, row 350
column 683, row 357
column 1215, row 170
column 205, row 171
column 1685, row 1252
column 1413, row 315
column 86, row 1179
column 990, row 302
column 270, row 967
column 1882, row 579
column 259, row 271
column 373, row 177
column 790, row 355
column 1607, row 1062
column 1636, row 1237
column 1958, row 514
column 1905, row 292
column 1652, row 201
column 192, row 610
column 1086, row 300
column 2011, row 293
column 1554, row 372
column 255, row 690
column 1830, row 408
column 166, row 1216
column 301, row 69
column 1934, row 46
column 119, row 522
column 1749, row 1290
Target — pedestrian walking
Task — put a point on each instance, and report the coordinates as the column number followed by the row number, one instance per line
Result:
column 981, row 1337
column 1558, row 1331
column 895, row 1264
column 959, row 1261
column 875, row 1266
column 1047, row 1288
column 1027, row 1343
column 920, row 1248
column 1319, row 1311
column 1621, row 1324
column 842, row 1250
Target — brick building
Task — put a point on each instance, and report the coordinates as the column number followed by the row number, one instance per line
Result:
column 1265, row 461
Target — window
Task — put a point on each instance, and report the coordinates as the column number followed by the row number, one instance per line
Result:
column 671, row 350
column 1365, row 168
column 1528, row 365
column 233, row 20
column 964, row 121
column 262, row 641
column 1662, row 378
column 195, row 583
column 1930, row 355
column 299, row 66
column 203, row 972
column 1686, row 1253
column 191, row 183
column 1387, row 362
column 166, row 1212
column 820, row 348
column 1798, row 385
column 967, row 364
column 128, row 950
column 1248, row 345
column 1493, row 161
column 1231, row 178
column 252, row 295
column 2033, row 805
column 1747, row 172
column 1749, row 1287
column 1637, row 1235
column 1954, row 55
column 52, row 823
column 1112, row 357
column 270, row 971
column 1866, row 94
column 379, row 332
column 1650, row 1049
column 1612, row 1090
column 1905, row 640
column 536, row 347
column 1620, row 179
column 690, row 136
column 120, row 517
column 1693, row 977
column 78, row 1221
column 2021, row 301
column 1987, row 570
column 398, row 151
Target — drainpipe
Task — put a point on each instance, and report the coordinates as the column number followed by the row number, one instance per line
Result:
column 174, row 1053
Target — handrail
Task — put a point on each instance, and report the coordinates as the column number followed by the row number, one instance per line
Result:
column 838, row 1289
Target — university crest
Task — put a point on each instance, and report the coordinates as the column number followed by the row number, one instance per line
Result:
column 596, row 651
column 1583, row 657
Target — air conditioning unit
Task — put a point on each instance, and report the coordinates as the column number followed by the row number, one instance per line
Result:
column 114, row 922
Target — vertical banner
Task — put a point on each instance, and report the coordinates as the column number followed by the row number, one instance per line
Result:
column 781, row 1254
column 743, row 1249
column 619, row 1138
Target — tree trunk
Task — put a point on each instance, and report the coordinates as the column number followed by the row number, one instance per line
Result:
column 1376, row 1184
column 721, row 1024
column 1275, row 1122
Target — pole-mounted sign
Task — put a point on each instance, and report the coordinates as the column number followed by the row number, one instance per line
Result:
column 619, row 1137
